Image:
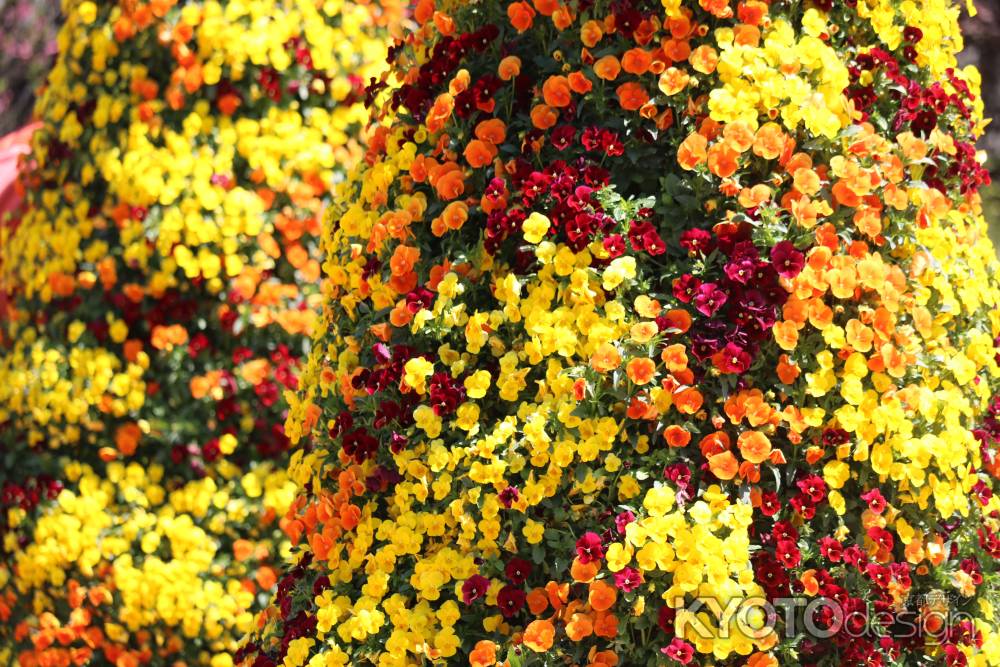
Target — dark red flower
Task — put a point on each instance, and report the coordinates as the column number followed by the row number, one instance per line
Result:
column 511, row 599
column 787, row 261
column 589, row 547
column 474, row 588
column 788, row 553
column 518, row 570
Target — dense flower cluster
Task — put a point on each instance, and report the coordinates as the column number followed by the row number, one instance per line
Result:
column 159, row 287
column 640, row 304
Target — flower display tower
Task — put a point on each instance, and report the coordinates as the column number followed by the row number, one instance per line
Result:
column 159, row 284
column 644, row 311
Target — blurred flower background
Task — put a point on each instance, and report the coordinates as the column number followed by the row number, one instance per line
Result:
column 27, row 46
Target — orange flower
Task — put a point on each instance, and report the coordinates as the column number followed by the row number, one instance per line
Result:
column 451, row 185
column 601, row 658
column 673, row 81
column 754, row 446
column 521, row 15
column 167, row 337
column 546, row 7
column 591, row 33
column 584, row 572
column 607, row 68
column 439, row 114
column 636, row 61
column 746, row 35
column 606, row 626
column 678, row 320
column 509, row 68
column 704, row 59
column 605, row 358
column 543, row 116
column 602, row 596
column 692, row 151
column 755, row 196
column 404, row 258
column 579, row 83
column 455, row 214
column 676, row 436
column 538, row 601
column 492, row 131
column 719, row 8
column 688, row 401
column 444, row 23
column 131, row 349
column 722, row 160
column 127, row 438
column 723, row 465
column 810, row 582
column 266, row 577
column 484, row 654
column 769, row 141
column 641, row 370
column 256, row 371
column 675, row 357
column 739, row 136
column 714, row 443
column 643, row 332
column 201, row 385
column 579, row 627
column 562, row 18
column 648, row 307
column 786, row 334
column 752, row 12
column 762, row 660
column 788, row 370
column 479, row 153
column 632, row 96
column 540, row 634
column 556, row 91
column 423, row 11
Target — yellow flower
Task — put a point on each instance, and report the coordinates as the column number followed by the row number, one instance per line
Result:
column 535, row 227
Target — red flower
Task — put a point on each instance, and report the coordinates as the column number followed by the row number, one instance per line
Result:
column 511, row 599
column 679, row 650
column 474, row 588
column 589, row 547
column 518, row 570
column 628, row 579
column 788, row 261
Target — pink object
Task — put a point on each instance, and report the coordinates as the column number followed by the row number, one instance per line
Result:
column 12, row 148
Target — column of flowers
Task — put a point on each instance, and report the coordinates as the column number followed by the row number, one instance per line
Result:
column 636, row 305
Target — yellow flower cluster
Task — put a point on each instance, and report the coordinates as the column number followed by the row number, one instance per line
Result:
column 171, row 571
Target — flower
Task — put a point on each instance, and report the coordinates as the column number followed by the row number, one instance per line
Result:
column 535, row 227
column 474, row 588
column 589, row 547
column 539, row 636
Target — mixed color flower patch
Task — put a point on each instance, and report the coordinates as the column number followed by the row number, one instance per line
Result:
column 635, row 304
